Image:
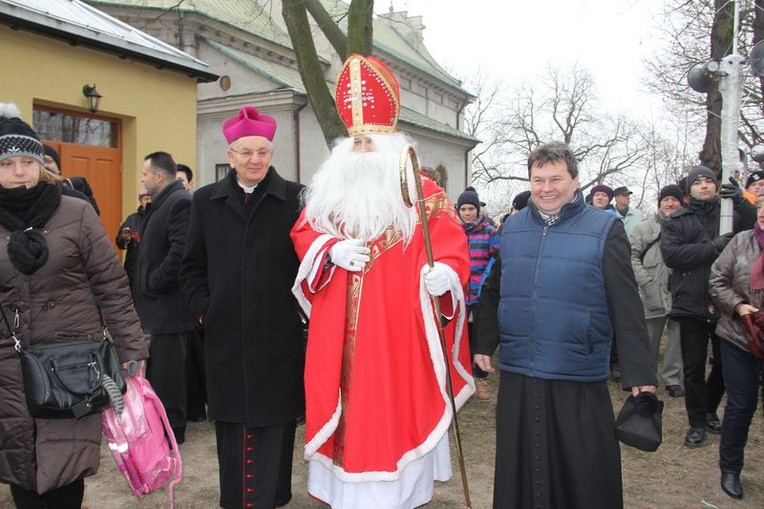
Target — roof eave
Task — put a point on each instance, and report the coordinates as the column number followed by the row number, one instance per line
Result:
column 77, row 36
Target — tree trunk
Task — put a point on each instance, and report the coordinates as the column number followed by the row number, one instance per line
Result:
column 311, row 72
column 360, row 27
column 328, row 27
column 358, row 40
column 722, row 32
column 758, row 35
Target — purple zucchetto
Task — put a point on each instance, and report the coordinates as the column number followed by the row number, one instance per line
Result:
column 249, row 122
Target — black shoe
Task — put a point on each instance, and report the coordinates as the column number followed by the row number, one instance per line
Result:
column 731, row 485
column 695, row 437
column 180, row 434
column 675, row 391
column 713, row 424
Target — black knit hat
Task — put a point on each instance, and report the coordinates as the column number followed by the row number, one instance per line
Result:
column 468, row 196
column 53, row 154
column 754, row 177
column 682, row 183
column 521, row 200
column 696, row 173
column 671, row 190
column 16, row 137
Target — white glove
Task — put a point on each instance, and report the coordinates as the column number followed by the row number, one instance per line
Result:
column 350, row 254
column 437, row 281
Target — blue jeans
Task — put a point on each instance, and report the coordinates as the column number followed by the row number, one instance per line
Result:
column 741, row 377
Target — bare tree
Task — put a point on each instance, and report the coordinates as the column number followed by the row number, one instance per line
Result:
column 358, row 40
column 696, row 31
column 482, row 122
column 561, row 106
column 668, row 155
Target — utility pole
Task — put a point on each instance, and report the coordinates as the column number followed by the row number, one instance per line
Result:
column 727, row 73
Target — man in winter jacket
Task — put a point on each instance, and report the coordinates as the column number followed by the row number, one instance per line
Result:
column 630, row 216
column 128, row 236
column 652, row 277
column 483, row 244
column 156, row 287
column 690, row 242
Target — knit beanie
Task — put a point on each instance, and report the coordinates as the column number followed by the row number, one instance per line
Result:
column 50, row 151
column 671, row 190
column 602, row 188
column 521, row 200
column 754, row 177
column 468, row 196
column 696, row 173
column 17, row 138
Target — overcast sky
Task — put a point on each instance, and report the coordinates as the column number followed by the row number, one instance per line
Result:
column 518, row 39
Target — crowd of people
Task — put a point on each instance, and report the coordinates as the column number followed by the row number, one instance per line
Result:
column 259, row 303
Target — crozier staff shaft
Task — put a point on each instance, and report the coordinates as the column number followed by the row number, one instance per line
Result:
column 408, row 154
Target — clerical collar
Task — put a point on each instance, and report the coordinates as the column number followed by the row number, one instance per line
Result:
column 247, row 189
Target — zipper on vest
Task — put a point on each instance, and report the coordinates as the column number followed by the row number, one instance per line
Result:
column 535, row 287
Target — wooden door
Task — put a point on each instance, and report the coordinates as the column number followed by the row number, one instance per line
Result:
column 102, row 168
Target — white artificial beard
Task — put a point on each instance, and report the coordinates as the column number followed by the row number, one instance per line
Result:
column 357, row 195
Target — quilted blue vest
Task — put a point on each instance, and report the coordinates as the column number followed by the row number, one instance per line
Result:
column 553, row 316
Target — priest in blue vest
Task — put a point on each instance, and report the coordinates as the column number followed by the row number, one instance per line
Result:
column 563, row 290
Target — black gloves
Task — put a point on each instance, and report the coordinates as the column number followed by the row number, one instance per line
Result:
column 732, row 191
column 721, row 241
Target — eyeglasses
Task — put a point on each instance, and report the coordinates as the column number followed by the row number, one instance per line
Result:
column 248, row 154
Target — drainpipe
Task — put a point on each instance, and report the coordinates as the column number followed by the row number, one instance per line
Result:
column 296, row 123
column 466, row 154
column 180, row 30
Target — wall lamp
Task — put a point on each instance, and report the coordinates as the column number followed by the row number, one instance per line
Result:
column 93, row 97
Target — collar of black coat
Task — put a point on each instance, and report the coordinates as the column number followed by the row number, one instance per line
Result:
column 699, row 207
column 157, row 199
column 273, row 184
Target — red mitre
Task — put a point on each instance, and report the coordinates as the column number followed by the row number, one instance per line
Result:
column 249, row 122
column 368, row 96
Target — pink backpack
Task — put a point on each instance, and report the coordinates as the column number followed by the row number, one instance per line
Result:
column 137, row 438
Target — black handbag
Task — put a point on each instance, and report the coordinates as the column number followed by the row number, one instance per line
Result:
column 640, row 422
column 68, row 378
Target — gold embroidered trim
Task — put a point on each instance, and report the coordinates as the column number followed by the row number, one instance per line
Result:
column 352, row 307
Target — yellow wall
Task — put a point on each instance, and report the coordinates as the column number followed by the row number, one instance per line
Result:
column 157, row 107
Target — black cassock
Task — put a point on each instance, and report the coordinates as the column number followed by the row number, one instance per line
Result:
column 556, row 445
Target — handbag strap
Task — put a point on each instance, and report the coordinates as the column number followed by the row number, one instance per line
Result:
column 17, row 342
column 103, row 324
column 11, row 330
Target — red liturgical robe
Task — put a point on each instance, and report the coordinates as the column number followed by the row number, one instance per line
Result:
column 375, row 376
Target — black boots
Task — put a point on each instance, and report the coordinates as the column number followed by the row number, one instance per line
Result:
column 713, row 424
column 731, row 485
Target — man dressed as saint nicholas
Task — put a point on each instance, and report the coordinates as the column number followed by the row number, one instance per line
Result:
column 377, row 402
